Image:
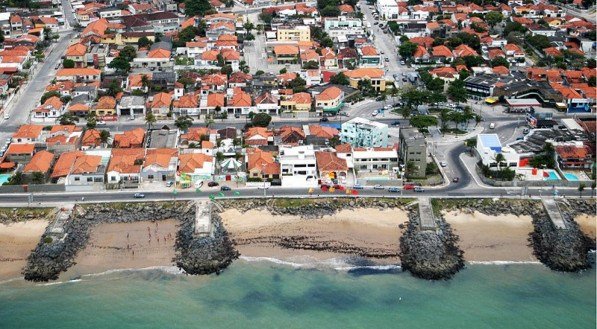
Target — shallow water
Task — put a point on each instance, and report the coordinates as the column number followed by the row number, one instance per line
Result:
column 266, row 295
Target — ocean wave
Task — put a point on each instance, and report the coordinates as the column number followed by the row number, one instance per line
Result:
column 19, row 278
column 503, row 262
column 337, row 264
column 166, row 269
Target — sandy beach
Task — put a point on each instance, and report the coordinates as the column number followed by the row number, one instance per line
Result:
column 16, row 242
column 492, row 238
column 587, row 224
column 126, row 245
column 349, row 232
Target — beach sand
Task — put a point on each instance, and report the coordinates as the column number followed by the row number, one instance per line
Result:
column 109, row 248
column 371, row 231
column 587, row 224
column 492, row 238
column 16, row 242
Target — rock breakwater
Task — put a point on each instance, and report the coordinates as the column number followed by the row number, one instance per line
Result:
column 430, row 254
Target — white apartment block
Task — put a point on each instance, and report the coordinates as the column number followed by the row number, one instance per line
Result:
column 298, row 166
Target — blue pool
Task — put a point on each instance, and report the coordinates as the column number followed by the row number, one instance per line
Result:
column 4, row 178
column 571, row 177
column 552, row 176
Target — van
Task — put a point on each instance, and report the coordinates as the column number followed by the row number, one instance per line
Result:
column 492, row 125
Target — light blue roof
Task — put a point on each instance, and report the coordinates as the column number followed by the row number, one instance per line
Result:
column 491, row 141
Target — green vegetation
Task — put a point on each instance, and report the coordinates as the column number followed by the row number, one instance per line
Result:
column 339, row 79
column 261, row 120
column 197, row 7
column 423, row 121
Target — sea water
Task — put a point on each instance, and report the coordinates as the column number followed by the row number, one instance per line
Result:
column 267, row 295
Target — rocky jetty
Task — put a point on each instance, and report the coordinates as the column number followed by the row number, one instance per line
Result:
column 204, row 254
column 430, row 254
column 312, row 207
column 56, row 253
column 490, row 207
column 576, row 207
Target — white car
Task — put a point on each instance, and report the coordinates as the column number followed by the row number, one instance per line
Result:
column 100, row 123
column 443, row 164
column 388, row 107
column 374, row 113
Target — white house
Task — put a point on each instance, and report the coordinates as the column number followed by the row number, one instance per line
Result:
column 387, row 9
column 298, row 166
column 489, row 146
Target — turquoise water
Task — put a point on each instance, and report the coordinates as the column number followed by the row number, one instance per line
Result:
column 571, row 177
column 552, row 176
column 4, row 178
column 263, row 295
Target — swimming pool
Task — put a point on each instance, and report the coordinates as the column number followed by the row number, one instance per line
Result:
column 571, row 177
column 4, row 178
column 552, row 176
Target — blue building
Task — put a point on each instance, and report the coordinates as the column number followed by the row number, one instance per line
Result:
column 361, row 132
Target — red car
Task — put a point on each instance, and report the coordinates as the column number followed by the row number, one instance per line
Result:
column 339, row 187
column 407, row 187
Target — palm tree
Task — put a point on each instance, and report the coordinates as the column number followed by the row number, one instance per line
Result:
column 145, row 81
column 581, row 187
column 150, row 119
column 499, row 158
column 410, row 168
column 104, row 135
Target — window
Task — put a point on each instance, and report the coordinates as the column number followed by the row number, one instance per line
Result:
column 77, row 179
column 112, row 178
column 89, row 179
column 149, row 176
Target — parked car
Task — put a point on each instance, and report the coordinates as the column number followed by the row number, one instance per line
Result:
column 419, row 189
column 394, row 189
column 169, row 183
column 324, row 119
column 492, row 125
column 139, row 196
column 402, row 62
column 443, row 164
column 378, row 187
column 395, row 123
column 358, row 187
column 456, row 180
column 100, row 123
column 374, row 114
column 212, row 184
column 525, row 131
column 408, row 187
column 225, row 188
column 324, row 186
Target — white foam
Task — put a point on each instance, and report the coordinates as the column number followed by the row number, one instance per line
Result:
column 166, row 269
column 337, row 264
column 503, row 262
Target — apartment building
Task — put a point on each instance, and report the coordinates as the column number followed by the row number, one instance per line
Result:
column 360, row 132
column 298, row 166
column 413, row 149
column 293, row 33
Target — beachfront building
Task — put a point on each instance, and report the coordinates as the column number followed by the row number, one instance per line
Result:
column 489, row 146
column 360, row 132
column 298, row 166
column 378, row 159
column 413, row 149
column 195, row 167
column 332, row 169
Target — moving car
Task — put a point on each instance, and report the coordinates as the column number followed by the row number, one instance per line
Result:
column 139, row 196
column 456, row 180
column 212, row 184
column 407, row 187
column 492, row 125
column 419, row 189
column 395, row 123
column 358, row 187
column 169, row 183
column 374, row 113
column 324, row 119
column 394, row 189
column 378, row 187
column 443, row 164
column 225, row 188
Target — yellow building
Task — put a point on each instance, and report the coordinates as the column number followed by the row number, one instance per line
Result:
column 376, row 76
column 126, row 38
column 294, row 33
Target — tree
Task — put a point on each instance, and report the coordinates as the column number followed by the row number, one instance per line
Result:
column 91, row 120
column 197, row 7
column 143, row 42
column 150, row 119
column 114, row 88
column 407, row 49
column 188, row 34
column 366, row 88
column 261, row 120
column 327, row 42
column 471, row 61
column 226, row 69
column 410, row 169
column 248, row 26
column 16, row 179
column 539, row 41
column 49, row 94
column 471, row 143
column 266, row 17
column 128, row 53
column 499, row 159
column 311, row 65
column 513, row 27
column 68, row 63
column 581, row 188
column 104, row 136
column 38, row 177
column 330, row 11
column 456, row 91
column 339, row 79
column 297, row 84
column 493, row 17
column 423, row 121
column 120, row 64
column 68, row 119
column 500, row 61
column 183, row 122
column 249, row 37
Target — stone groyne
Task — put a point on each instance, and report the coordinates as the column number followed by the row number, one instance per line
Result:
column 55, row 254
column 204, row 254
column 559, row 249
column 430, row 254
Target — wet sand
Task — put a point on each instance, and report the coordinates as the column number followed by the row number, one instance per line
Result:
column 492, row 238
column 16, row 242
column 109, row 248
column 290, row 238
column 587, row 224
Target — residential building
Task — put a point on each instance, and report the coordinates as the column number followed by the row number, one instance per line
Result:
column 413, row 149
column 195, row 167
column 124, row 168
column 376, row 76
column 574, row 155
column 387, row 9
column 331, row 168
column 293, row 33
column 261, row 164
column 87, row 170
column 342, row 26
column 378, row 159
column 360, row 132
column 489, row 146
column 160, row 165
column 131, row 106
column 298, row 166
column 130, row 138
column 40, row 164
